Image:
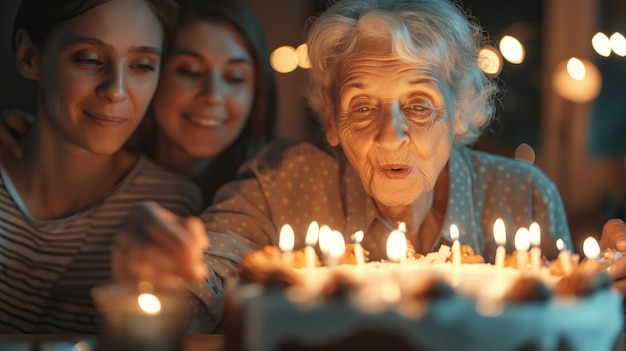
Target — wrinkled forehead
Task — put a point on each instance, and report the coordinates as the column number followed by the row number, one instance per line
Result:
column 374, row 59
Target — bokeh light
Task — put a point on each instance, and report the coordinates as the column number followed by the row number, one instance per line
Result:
column 576, row 68
column 512, row 50
column 525, row 152
column 601, row 44
column 579, row 91
column 490, row 60
column 618, row 44
column 302, row 56
column 283, row 59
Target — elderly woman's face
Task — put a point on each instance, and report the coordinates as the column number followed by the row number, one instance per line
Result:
column 392, row 125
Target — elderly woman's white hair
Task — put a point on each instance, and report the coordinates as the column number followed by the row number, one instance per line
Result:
column 432, row 33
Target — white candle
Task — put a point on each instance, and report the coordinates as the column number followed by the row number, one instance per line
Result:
column 357, row 237
column 286, row 241
column 564, row 257
column 456, row 245
column 522, row 243
column 535, row 252
column 499, row 235
column 396, row 247
column 310, row 240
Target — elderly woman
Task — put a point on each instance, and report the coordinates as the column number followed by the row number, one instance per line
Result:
column 400, row 93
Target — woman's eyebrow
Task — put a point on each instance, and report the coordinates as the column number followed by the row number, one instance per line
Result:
column 99, row 43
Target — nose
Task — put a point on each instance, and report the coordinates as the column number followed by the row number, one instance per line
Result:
column 393, row 128
column 213, row 88
column 113, row 88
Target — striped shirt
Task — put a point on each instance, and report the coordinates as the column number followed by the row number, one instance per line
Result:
column 47, row 267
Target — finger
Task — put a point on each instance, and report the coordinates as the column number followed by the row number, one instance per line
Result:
column 10, row 143
column 614, row 235
column 195, row 226
column 617, row 270
column 19, row 122
column 159, row 227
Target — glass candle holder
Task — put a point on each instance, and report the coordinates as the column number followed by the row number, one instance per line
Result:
column 137, row 318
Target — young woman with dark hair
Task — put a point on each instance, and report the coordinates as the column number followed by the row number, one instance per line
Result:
column 96, row 66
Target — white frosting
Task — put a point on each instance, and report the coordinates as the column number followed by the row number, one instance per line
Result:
column 474, row 319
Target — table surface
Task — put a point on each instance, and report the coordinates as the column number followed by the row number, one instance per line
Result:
column 55, row 342
column 58, row 342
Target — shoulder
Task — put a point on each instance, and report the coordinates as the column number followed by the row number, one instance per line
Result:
column 507, row 171
column 490, row 164
column 175, row 192
column 289, row 154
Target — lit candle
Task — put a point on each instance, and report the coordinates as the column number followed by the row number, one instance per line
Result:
column 522, row 243
column 402, row 227
column 396, row 247
column 535, row 252
column 358, row 249
column 310, row 240
column 325, row 242
column 564, row 257
column 591, row 248
column 499, row 235
column 135, row 317
column 456, row 245
column 337, row 248
column 286, row 242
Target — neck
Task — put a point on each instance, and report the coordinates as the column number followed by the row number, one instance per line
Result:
column 56, row 178
column 175, row 158
column 423, row 217
column 412, row 214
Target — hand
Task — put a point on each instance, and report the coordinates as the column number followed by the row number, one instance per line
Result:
column 157, row 246
column 14, row 122
column 614, row 237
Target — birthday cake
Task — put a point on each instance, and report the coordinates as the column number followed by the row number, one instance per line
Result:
column 423, row 303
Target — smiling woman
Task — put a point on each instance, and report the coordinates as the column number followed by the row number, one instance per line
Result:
column 96, row 66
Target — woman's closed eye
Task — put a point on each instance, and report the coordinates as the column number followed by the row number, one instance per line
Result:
column 88, row 59
column 190, row 72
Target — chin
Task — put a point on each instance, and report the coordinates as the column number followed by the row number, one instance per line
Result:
column 104, row 148
column 394, row 198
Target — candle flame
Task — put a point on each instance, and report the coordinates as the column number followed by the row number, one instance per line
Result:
column 325, row 239
column 357, row 237
column 454, row 232
column 535, row 234
column 337, row 245
column 312, row 234
column 591, row 248
column 522, row 239
column 396, row 245
column 560, row 244
column 402, row 227
column 499, row 232
column 149, row 304
column 287, row 239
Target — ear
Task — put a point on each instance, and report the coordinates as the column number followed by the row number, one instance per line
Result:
column 26, row 55
column 330, row 123
column 460, row 126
